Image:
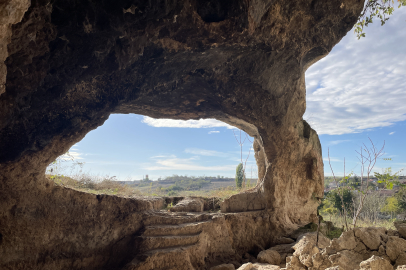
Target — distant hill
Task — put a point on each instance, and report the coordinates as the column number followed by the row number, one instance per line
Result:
column 178, row 182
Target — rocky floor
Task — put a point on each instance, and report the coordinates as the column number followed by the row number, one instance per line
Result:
column 357, row 249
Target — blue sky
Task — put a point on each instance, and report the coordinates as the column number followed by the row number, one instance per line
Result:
column 357, row 92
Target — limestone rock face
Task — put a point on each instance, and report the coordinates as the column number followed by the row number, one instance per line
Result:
column 67, row 65
column 376, row 263
column 269, row 256
column 223, row 267
column 189, row 205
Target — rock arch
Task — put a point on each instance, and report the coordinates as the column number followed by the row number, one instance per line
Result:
column 70, row 64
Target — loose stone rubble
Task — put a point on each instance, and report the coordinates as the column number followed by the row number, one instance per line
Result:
column 358, row 249
column 189, row 204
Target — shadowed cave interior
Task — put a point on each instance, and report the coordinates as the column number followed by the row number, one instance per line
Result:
column 69, row 64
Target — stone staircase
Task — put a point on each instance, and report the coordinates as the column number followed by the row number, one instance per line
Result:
column 170, row 241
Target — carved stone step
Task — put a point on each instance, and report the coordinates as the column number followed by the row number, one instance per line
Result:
column 175, row 219
column 160, row 242
column 170, row 258
column 179, row 229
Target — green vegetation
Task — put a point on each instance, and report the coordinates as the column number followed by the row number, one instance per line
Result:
column 239, row 175
column 381, row 9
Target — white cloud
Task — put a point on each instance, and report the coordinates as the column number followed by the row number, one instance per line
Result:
column 71, row 155
column 332, row 159
column 337, row 142
column 214, row 131
column 202, row 123
column 392, row 133
column 204, row 152
column 186, row 165
column 163, row 156
column 361, row 84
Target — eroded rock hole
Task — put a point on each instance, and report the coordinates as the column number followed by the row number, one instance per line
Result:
column 133, row 155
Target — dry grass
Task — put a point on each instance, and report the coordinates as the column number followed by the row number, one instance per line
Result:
column 105, row 185
column 339, row 222
column 94, row 184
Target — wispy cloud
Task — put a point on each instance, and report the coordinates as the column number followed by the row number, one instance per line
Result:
column 163, row 156
column 72, row 155
column 202, row 123
column 214, row 131
column 337, row 142
column 360, row 85
column 185, row 165
column 392, row 133
column 204, row 152
column 332, row 159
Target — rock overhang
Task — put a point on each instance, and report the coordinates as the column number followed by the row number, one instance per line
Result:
column 70, row 64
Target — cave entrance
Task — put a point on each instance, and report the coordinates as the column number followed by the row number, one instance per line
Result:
column 133, row 155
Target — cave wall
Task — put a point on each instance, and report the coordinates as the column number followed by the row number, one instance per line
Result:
column 66, row 65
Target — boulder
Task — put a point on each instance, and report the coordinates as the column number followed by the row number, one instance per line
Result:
column 320, row 261
column 246, row 266
column 189, row 204
column 269, row 256
column 401, row 227
column 371, row 237
column 376, row 263
column 284, row 250
column 283, row 241
column 223, row 267
column 259, row 266
column 345, row 241
column 306, row 247
column 394, row 247
column 346, row 259
column 401, row 260
column 293, row 263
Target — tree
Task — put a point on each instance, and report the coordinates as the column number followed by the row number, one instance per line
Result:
column 401, row 197
column 387, row 178
column 329, row 209
column 381, row 9
column 239, row 175
column 334, row 199
column 241, row 143
column 391, row 206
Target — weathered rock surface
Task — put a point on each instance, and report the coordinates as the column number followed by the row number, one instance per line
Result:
column 346, row 259
column 376, row 263
column 284, row 250
column 283, row 241
column 70, row 64
column 394, row 247
column 345, row 241
column 223, row 267
column 401, row 228
column 370, row 236
column 189, row 205
column 258, row 266
column 306, row 247
column 269, row 256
